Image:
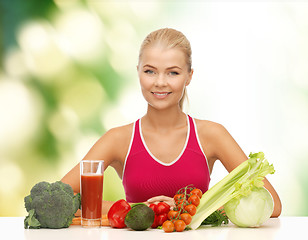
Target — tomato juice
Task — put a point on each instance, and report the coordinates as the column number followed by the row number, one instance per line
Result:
column 91, row 195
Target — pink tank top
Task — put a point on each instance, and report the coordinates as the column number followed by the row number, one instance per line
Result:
column 145, row 176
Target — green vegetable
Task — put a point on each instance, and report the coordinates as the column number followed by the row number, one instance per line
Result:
column 51, row 205
column 216, row 219
column 252, row 210
column 140, row 217
column 238, row 182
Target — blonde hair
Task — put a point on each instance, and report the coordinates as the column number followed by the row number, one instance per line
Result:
column 169, row 38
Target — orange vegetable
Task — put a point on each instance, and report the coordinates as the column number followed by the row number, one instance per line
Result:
column 104, row 221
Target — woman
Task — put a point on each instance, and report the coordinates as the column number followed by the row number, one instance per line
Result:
column 166, row 149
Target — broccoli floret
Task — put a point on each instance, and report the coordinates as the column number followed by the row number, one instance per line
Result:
column 51, row 205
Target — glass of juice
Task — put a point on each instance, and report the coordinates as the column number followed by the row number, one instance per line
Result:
column 91, row 190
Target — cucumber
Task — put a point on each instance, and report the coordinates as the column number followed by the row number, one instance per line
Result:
column 140, row 217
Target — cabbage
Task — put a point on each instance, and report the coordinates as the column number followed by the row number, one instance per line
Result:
column 252, row 210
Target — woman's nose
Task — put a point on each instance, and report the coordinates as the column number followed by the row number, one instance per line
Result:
column 160, row 81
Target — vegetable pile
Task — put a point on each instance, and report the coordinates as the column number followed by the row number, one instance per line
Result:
column 239, row 197
column 51, row 205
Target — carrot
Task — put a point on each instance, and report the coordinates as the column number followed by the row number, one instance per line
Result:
column 104, row 221
column 76, row 221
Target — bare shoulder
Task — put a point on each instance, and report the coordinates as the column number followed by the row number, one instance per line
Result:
column 210, row 129
column 214, row 139
column 219, row 143
column 112, row 145
column 119, row 136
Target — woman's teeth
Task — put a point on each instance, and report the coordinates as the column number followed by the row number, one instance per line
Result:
column 161, row 94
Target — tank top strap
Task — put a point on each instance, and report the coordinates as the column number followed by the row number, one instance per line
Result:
column 194, row 142
column 137, row 144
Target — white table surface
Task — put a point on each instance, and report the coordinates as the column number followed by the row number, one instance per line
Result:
column 276, row 228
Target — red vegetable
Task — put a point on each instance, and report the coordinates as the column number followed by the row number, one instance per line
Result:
column 161, row 213
column 117, row 213
column 161, row 219
column 154, row 207
column 155, row 223
column 162, row 208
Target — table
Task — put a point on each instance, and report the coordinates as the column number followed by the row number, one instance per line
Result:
column 275, row 228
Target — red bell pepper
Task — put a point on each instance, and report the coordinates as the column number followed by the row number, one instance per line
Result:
column 161, row 213
column 117, row 213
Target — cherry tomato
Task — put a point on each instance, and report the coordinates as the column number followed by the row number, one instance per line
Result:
column 186, row 217
column 162, row 207
column 179, row 225
column 194, row 199
column 161, row 218
column 197, row 191
column 173, row 214
column 178, row 197
column 154, row 207
column 168, row 226
column 191, row 209
column 181, row 203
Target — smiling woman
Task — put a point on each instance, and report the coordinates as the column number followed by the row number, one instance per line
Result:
column 166, row 149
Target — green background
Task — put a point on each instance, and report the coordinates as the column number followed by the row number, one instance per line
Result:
column 68, row 74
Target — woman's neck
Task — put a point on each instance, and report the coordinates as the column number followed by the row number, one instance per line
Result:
column 164, row 119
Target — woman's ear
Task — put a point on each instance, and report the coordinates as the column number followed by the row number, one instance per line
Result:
column 189, row 77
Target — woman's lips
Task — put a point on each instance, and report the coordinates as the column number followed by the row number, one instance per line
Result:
column 161, row 95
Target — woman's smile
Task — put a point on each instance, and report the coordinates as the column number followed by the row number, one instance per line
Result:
column 161, row 95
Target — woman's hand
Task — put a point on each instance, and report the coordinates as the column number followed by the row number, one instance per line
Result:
column 158, row 199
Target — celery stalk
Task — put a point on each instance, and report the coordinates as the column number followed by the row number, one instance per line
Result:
column 238, row 182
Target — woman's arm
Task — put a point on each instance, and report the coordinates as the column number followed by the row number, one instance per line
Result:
column 101, row 150
column 225, row 148
column 112, row 148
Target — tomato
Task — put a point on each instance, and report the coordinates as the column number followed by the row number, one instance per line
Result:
column 173, row 214
column 178, row 197
column 168, row 226
column 181, row 203
column 179, row 225
column 194, row 199
column 196, row 191
column 186, row 217
column 154, row 207
column 162, row 207
column 161, row 218
column 191, row 209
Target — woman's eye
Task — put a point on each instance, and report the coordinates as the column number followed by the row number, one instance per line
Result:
column 149, row 71
column 174, row 73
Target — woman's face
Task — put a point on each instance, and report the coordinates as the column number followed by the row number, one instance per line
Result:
column 163, row 75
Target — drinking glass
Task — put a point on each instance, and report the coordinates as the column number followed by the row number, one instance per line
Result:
column 91, row 190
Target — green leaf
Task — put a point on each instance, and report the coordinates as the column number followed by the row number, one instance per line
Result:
column 31, row 221
column 216, row 219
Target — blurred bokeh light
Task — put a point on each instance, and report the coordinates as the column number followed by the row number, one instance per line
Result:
column 68, row 74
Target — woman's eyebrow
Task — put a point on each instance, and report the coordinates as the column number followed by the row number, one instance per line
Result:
column 174, row 67
column 150, row 66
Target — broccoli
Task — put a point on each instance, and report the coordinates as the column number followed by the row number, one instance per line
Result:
column 51, row 205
